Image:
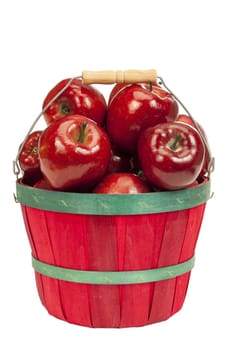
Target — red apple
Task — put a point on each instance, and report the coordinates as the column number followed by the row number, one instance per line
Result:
column 29, row 160
column 171, row 155
column 121, row 183
column 74, row 153
column 76, row 99
column 135, row 108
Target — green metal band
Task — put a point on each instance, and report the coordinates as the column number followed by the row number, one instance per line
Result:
column 113, row 204
column 113, row 278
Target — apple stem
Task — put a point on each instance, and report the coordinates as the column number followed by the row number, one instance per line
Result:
column 174, row 144
column 82, row 132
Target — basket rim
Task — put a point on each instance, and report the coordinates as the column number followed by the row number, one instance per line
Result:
column 112, row 204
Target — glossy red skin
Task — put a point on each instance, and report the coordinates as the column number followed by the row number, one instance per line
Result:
column 182, row 118
column 135, row 108
column 120, row 86
column 69, row 164
column 166, row 168
column 79, row 99
column 121, row 183
column 115, row 90
column 28, row 158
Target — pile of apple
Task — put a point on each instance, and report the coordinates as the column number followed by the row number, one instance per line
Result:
column 136, row 142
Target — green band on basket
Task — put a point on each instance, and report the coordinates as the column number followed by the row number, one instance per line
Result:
column 113, row 204
column 113, row 278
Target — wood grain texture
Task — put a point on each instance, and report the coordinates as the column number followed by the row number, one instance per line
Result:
column 112, row 243
column 119, row 76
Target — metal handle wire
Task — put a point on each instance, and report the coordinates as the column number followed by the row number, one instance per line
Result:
column 197, row 126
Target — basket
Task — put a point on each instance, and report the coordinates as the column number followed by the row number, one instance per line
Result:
column 112, row 261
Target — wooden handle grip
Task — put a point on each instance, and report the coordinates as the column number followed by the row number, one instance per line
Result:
column 111, row 77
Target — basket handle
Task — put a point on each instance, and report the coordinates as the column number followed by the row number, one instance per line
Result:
column 118, row 76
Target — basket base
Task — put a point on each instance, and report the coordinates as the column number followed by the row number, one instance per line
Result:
column 102, row 306
column 115, row 327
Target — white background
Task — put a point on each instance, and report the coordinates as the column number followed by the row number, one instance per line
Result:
column 190, row 43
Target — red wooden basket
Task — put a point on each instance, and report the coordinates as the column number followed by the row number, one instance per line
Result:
column 112, row 260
